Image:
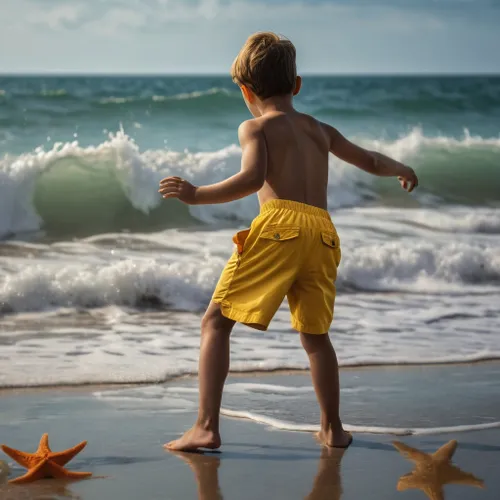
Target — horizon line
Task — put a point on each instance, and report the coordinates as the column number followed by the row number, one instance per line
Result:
column 220, row 74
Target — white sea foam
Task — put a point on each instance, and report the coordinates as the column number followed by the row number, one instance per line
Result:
column 381, row 395
column 420, row 266
column 109, row 308
column 185, row 96
column 54, row 92
column 118, row 345
column 446, row 219
column 184, row 269
column 117, row 100
column 396, row 431
column 119, row 160
column 126, row 307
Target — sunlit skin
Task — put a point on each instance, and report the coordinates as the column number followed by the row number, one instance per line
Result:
column 285, row 155
column 252, row 177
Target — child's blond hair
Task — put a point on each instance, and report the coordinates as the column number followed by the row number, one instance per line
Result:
column 266, row 65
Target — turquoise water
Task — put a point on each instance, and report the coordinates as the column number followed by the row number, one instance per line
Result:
column 99, row 275
column 202, row 113
column 57, row 152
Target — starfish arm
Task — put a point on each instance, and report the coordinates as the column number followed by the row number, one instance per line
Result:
column 61, row 473
column 33, row 474
column 478, row 483
column 27, row 460
column 409, row 481
column 434, row 493
column 409, row 452
column 446, row 451
column 43, row 447
column 458, row 476
column 63, row 457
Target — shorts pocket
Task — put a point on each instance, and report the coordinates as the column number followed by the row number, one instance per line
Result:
column 332, row 240
column 280, row 233
column 239, row 239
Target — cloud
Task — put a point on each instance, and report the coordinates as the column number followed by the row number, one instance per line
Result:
column 109, row 17
column 204, row 35
column 118, row 14
column 63, row 16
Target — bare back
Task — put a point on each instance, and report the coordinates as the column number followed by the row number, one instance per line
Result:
column 297, row 159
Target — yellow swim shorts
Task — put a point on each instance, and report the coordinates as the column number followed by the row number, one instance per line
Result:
column 291, row 249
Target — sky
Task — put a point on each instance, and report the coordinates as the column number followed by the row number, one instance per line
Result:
column 204, row 36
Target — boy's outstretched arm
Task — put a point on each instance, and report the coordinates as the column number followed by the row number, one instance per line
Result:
column 370, row 161
column 249, row 180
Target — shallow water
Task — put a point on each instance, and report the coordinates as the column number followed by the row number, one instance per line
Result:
column 102, row 281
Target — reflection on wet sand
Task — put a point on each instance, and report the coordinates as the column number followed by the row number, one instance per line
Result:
column 4, row 471
column 433, row 471
column 327, row 483
column 205, row 469
column 44, row 489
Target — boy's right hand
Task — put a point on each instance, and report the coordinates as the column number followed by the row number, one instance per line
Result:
column 408, row 179
column 176, row 187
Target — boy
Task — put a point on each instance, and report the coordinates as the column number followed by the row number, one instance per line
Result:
column 292, row 248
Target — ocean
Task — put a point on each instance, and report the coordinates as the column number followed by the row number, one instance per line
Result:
column 103, row 281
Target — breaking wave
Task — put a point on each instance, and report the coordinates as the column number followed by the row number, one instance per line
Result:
column 76, row 191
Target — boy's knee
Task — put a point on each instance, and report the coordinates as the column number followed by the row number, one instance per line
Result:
column 313, row 343
column 214, row 320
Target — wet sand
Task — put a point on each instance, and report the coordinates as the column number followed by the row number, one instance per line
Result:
column 125, row 436
column 125, row 445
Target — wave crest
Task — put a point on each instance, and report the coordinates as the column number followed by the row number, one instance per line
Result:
column 72, row 191
column 186, row 284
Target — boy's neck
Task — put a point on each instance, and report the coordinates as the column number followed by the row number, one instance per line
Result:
column 283, row 104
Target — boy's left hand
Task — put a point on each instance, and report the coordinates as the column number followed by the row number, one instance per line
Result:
column 176, row 187
column 408, row 179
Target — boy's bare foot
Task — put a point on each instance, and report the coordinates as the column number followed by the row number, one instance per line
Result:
column 195, row 438
column 341, row 439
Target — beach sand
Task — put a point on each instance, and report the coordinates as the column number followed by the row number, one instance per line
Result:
column 125, row 438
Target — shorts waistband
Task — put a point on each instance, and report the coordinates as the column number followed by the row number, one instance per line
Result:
column 295, row 206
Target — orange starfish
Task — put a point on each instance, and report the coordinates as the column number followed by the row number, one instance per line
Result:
column 434, row 470
column 45, row 463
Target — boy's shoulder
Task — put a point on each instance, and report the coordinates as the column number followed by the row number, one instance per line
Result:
column 252, row 124
column 250, row 129
column 272, row 120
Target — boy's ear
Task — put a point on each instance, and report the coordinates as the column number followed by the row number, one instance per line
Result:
column 298, row 85
column 247, row 94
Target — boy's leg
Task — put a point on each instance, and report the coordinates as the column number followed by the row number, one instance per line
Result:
column 212, row 373
column 325, row 377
